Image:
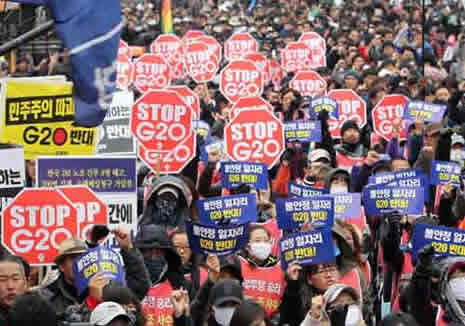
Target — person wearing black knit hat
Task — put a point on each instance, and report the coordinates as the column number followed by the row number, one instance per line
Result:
column 350, row 151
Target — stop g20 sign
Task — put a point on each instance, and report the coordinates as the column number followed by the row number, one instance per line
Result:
column 36, row 222
column 240, row 79
column 255, row 136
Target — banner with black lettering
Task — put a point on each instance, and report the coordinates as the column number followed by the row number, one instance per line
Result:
column 443, row 172
column 234, row 174
column 303, row 131
column 12, row 170
column 295, row 212
column 445, row 241
column 98, row 260
column 233, row 209
column 218, row 240
column 298, row 190
column 379, row 199
column 112, row 178
column 307, row 248
column 114, row 134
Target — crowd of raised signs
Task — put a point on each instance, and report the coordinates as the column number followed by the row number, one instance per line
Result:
column 270, row 162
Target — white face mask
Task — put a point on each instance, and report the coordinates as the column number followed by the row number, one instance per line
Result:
column 354, row 315
column 457, row 287
column 223, row 315
column 260, row 250
column 339, row 189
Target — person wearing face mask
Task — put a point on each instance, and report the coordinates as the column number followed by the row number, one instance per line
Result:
column 351, row 151
column 164, row 266
column 338, row 181
column 457, row 153
column 341, row 307
column 258, row 264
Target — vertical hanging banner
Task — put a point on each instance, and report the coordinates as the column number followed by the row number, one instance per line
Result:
column 166, row 17
column 114, row 135
column 38, row 113
column 113, row 179
column 12, row 170
column 294, row 212
column 307, row 248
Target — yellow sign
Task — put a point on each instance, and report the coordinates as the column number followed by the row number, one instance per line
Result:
column 39, row 115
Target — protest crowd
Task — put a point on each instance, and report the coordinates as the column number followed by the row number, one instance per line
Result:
column 262, row 163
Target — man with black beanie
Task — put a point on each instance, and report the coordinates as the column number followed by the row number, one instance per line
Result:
column 350, row 151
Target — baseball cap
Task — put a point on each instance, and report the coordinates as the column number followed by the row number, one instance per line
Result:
column 68, row 247
column 169, row 190
column 232, row 264
column 318, row 154
column 457, row 139
column 226, row 291
column 105, row 312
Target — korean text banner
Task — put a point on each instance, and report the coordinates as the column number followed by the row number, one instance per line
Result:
column 443, row 172
column 233, row 209
column 348, row 207
column 412, row 178
column 98, row 260
column 307, row 248
column 445, row 241
column 112, row 178
column 101, row 174
column 424, row 110
column 217, row 240
column 304, row 191
column 201, row 128
column 234, row 174
column 114, row 134
column 39, row 115
column 294, row 212
column 379, row 199
column 302, row 131
column 324, row 103
column 12, row 170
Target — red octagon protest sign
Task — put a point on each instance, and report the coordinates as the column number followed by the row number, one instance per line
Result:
column 317, row 46
column 168, row 46
column 308, row 83
column 36, row 222
column 170, row 162
column 351, row 107
column 151, row 71
column 190, row 97
column 190, row 36
column 255, row 136
column 239, row 45
column 90, row 208
column 250, row 103
column 161, row 120
column 262, row 64
column 124, row 70
column 296, row 57
column 390, row 108
column 213, row 45
column 240, row 79
column 201, row 64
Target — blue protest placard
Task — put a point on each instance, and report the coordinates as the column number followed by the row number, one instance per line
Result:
column 232, row 209
column 218, row 240
column 294, row 212
column 348, row 207
column 307, row 248
column 302, row 131
column 443, row 172
column 445, row 241
column 98, row 260
column 411, row 178
column 201, row 128
column 297, row 190
column 380, row 199
column 428, row 111
column 326, row 103
column 234, row 174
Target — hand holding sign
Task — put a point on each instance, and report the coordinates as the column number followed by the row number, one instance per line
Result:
column 180, row 301
column 96, row 285
column 293, row 271
column 123, row 238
